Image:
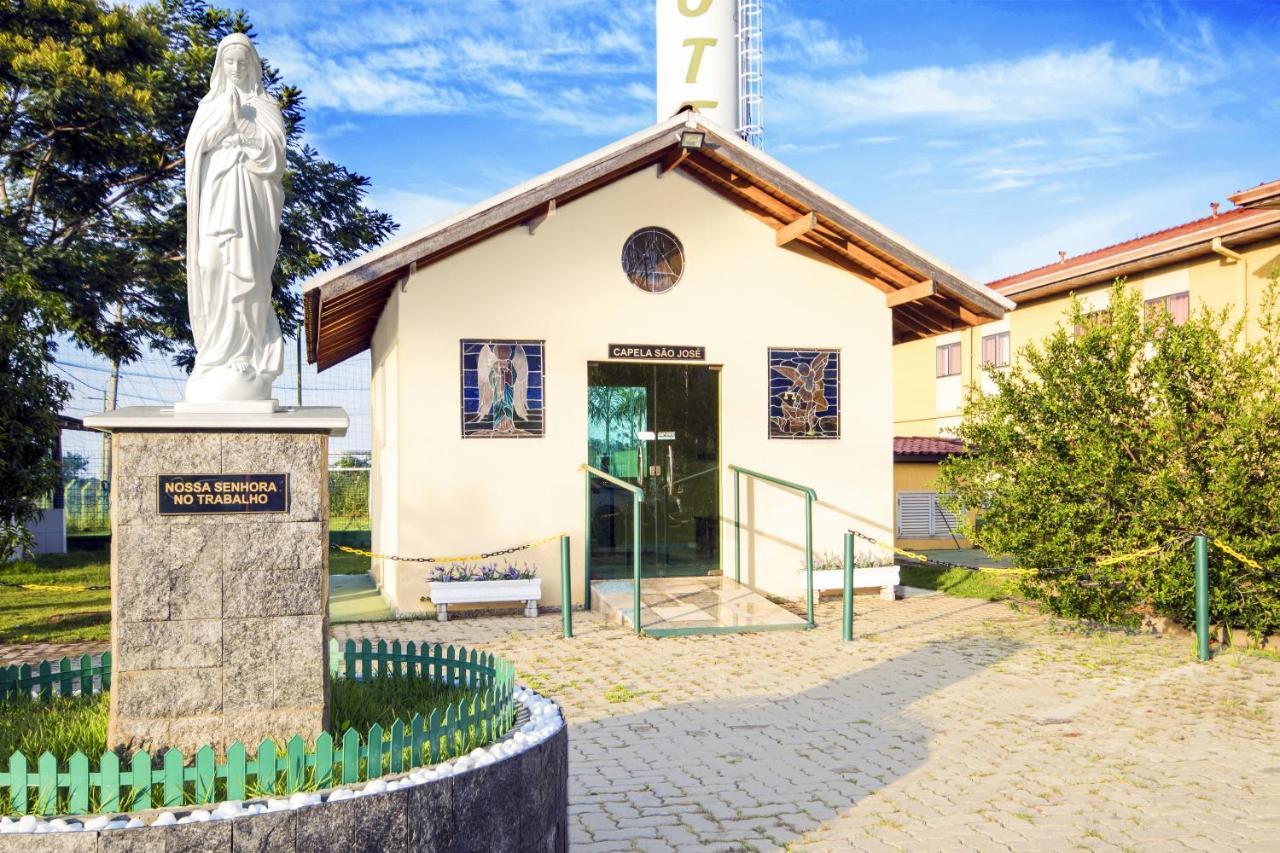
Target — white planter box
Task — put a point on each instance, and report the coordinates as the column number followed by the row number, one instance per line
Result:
column 444, row 593
column 885, row 577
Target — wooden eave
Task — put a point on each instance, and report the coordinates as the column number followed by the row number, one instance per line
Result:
column 342, row 311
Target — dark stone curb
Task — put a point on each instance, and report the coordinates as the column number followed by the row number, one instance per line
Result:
column 519, row 804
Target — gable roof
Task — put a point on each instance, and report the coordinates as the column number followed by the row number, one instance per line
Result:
column 1256, row 219
column 342, row 305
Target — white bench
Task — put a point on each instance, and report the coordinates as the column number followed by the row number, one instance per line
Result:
column 444, row 593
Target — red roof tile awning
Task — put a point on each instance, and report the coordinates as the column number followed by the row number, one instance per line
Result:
column 917, row 448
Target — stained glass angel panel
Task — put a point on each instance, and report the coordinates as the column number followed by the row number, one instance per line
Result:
column 804, row 393
column 502, row 393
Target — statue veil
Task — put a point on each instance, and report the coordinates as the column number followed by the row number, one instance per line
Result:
column 235, row 160
column 218, row 80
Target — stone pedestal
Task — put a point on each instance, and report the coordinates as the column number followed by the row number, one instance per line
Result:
column 219, row 621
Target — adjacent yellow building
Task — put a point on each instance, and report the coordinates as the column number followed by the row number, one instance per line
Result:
column 1222, row 260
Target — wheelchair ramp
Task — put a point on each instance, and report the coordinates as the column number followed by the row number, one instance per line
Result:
column 678, row 606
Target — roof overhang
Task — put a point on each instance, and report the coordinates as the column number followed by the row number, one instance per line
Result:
column 1237, row 231
column 342, row 306
column 1263, row 195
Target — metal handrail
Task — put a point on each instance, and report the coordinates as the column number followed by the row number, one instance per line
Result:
column 695, row 476
column 637, row 497
column 810, row 496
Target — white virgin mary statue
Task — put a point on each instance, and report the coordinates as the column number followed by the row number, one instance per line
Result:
column 235, row 158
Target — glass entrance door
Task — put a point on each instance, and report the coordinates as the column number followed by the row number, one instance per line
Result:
column 656, row 425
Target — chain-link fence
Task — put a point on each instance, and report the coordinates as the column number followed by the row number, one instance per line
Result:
column 86, row 492
column 349, row 491
column 86, row 475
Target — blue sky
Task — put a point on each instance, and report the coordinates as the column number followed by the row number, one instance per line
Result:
column 991, row 134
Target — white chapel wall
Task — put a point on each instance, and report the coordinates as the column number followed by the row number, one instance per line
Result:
column 740, row 295
column 384, row 477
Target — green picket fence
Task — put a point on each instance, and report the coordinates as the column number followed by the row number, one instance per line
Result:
column 46, row 786
column 72, row 678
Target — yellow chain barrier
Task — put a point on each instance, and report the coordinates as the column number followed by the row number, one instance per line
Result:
column 1224, row 547
column 1099, row 561
column 456, row 558
column 927, row 559
column 45, row 587
column 1132, row 555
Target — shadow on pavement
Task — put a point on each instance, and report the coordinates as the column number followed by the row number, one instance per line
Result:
column 761, row 771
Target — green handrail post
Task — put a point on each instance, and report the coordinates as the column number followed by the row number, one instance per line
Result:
column 566, row 590
column 810, row 496
column 1202, row 595
column 635, row 557
column 808, row 556
column 847, row 626
column 737, row 531
column 586, row 552
column 637, row 497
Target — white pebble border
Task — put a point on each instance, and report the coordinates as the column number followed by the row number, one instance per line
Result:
column 544, row 721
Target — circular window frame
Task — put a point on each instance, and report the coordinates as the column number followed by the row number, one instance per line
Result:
column 669, row 234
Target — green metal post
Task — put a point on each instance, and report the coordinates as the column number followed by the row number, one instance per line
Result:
column 847, row 627
column 808, row 555
column 566, row 589
column 586, row 554
column 737, row 532
column 635, row 554
column 1202, row 596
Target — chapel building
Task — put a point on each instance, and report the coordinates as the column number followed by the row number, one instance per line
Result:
column 660, row 310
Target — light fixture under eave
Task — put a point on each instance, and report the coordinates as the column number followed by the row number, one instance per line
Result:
column 692, row 140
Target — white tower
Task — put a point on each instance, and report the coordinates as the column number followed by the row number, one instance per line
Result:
column 698, row 59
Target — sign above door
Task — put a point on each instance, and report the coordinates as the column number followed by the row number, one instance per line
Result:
column 658, row 352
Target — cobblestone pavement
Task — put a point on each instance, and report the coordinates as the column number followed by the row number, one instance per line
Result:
column 949, row 724
column 36, row 652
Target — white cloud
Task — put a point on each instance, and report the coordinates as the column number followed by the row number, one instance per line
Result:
column 809, row 42
column 1051, row 86
column 584, row 66
column 1091, row 224
column 414, row 210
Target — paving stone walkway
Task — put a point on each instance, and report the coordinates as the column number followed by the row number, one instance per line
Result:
column 949, row 724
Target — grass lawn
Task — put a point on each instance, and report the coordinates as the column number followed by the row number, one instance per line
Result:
column 69, row 616
column 959, row 582
column 56, row 616
column 64, row 726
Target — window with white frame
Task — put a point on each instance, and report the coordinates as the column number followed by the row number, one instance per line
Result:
column 1177, row 304
column 948, row 360
column 921, row 515
column 995, row 350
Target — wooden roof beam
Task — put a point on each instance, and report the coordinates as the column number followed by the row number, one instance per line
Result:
column 796, row 229
column 915, row 292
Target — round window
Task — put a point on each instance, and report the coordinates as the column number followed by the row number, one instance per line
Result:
column 653, row 259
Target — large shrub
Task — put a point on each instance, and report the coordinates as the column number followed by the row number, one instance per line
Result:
column 1121, row 430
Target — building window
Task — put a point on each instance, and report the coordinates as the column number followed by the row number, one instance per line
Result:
column 653, row 259
column 502, row 389
column 921, row 515
column 995, row 350
column 1093, row 318
column 804, row 393
column 1177, row 304
column 949, row 360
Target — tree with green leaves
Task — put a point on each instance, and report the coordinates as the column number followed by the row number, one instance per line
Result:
column 30, row 400
column 95, row 103
column 1125, row 430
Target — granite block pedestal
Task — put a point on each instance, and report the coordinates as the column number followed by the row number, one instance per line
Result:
column 218, row 615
